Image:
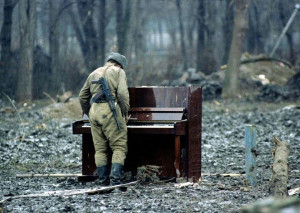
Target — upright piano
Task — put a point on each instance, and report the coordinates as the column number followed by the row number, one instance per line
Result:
column 164, row 129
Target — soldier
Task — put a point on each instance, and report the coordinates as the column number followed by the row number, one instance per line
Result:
column 104, row 128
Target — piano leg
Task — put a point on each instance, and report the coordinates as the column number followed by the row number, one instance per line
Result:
column 177, row 155
column 88, row 152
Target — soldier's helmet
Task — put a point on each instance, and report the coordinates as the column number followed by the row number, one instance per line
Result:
column 121, row 59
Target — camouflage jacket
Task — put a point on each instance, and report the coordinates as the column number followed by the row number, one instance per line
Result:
column 117, row 82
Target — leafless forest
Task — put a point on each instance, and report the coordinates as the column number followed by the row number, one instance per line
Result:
column 50, row 46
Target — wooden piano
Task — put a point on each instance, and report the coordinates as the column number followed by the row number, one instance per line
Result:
column 164, row 130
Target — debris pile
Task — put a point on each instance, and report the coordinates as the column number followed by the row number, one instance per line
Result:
column 261, row 78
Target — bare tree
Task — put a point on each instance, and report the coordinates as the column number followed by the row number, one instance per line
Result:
column 227, row 29
column 123, row 24
column 284, row 19
column 82, row 21
column 254, row 35
column 201, row 33
column 102, row 34
column 230, row 87
column 56, row 8
column 5, row 38
column 54, row 44
column 191, row 23
column 27, row 19
column 182, row 41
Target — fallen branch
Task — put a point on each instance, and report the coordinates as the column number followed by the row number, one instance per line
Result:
column 181, row 185
column 64, row 97
column 70, row 192
column 49, row 175
column 279, row 178
column 224, row 175
column 49, row 96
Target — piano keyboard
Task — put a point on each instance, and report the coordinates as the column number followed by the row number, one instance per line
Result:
column 167, row 126
column 170, row 126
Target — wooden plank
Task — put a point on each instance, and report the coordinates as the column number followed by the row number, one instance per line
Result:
column 250, row 154
column 70, row 192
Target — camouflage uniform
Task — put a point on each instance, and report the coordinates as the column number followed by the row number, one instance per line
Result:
column 103, row 125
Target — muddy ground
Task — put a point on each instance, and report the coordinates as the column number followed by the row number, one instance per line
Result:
column 32, row 142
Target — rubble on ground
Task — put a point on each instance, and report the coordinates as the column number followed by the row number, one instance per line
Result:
column 42, row 144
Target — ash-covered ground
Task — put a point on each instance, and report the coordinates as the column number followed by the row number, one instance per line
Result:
column 34, row 143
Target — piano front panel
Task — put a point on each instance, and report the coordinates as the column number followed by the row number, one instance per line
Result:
column 158, row 97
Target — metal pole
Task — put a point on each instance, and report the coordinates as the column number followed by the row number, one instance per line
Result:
column 297, row 7
column 250, row 141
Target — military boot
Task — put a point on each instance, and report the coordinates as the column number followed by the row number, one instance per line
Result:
column 103, row 176
column 115, row 174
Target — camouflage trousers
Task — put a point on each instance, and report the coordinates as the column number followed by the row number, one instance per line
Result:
column 106, row 134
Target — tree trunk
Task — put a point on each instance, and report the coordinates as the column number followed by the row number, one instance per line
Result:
column 119, row 25
column 86, row 14
column 227, row 29
column 279, row 178
column 102, row 35
column 27, row 15
column 139, row 43
column 5, row 38
column 182, row 41
column 160, row 33
column 201, row 32
column 139, row 38
column 289, row 36
column 230, row 85
column 122, row 26
column 82, row 21
column 191, row 28
column 54, row 46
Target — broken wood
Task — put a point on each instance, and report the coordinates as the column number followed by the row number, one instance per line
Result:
column 279, row 178
column 250, row 153
column 49, row 96
column 70, row 192
column 182, row 185
column 64, row 97
column 224, row 175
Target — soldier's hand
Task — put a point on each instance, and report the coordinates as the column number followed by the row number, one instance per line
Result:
column 127, row 118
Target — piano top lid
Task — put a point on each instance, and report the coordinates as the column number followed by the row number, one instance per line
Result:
column 148, row 114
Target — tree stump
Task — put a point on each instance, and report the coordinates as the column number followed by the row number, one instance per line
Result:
column 279, row 178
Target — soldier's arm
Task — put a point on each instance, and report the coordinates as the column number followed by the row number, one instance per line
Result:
column 122, row 93
column 84, row 97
